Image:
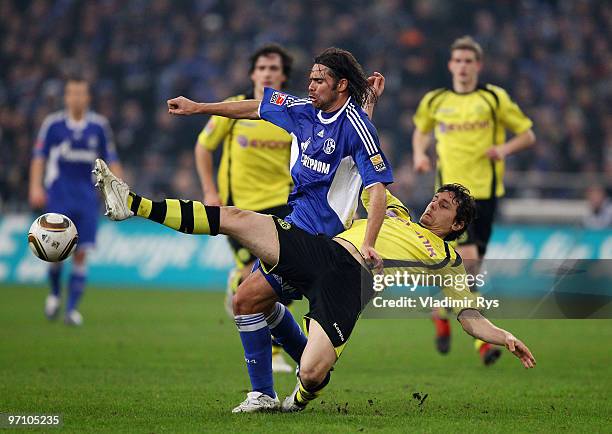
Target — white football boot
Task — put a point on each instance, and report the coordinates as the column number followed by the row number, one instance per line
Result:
column 114, row 190
column 73, row 318
column 257, row 402
column 289, row 404
column 280, row 365
column 52, row 306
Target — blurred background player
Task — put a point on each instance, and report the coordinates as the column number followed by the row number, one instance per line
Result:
column 68, row 143
column 470, row 121
column 254, row 169
column 599, row 214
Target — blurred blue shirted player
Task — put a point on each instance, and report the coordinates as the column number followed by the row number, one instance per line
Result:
column 68, row 143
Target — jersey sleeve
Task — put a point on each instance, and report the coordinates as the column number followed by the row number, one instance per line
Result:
column 371, row 162
column 108, row 150
column 393, row 204
column 43, row 139
column 283, row 110
column 509, row 113
column 216, row 129
column 456, row 285
column 423, row 118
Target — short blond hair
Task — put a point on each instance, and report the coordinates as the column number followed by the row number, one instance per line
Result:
column 467, row 43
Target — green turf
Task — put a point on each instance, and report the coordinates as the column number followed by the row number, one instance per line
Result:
column 153, row 361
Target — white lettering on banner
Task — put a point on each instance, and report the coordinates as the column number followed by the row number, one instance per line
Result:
column 31, row 269
column 10, row 226
column 562, row 246
column 605, row 250
column 152, row 254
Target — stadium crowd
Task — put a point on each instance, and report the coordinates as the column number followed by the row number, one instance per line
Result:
column 136, row 54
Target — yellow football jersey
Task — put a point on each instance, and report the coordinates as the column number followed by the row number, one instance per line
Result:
column 414, row 247
column 254, row 169
column 466, row 125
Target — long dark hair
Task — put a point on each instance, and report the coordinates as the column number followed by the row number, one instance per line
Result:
column 342, row 64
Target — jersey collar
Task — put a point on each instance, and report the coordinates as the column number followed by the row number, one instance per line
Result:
column 73, row 124
column 335, row 116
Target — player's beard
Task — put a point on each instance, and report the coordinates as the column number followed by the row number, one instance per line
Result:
column 325, row 105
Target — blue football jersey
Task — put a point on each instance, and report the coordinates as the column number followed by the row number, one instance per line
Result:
column 333, row 156
column 71, row 148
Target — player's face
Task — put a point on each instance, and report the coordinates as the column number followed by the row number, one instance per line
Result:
column 76, row 96
column 440, row 214
column 322, row 89
column 268, row 72
column 463, row 66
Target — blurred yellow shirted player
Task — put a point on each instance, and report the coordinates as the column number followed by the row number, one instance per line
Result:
column 469, row 122
column 254, row 169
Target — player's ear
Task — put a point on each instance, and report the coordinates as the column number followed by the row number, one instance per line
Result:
column 342, row 85
column 457, row 226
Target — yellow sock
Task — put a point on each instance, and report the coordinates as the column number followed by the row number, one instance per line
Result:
column 190, row 217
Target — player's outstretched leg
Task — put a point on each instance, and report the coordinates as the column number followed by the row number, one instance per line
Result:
column 257, row 232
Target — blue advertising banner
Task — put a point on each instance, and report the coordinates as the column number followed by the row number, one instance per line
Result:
column 139, row 253
column 133, row 253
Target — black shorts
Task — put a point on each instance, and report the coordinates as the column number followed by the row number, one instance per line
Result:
column 327, row 275
column 241, row 254
column 479, row 232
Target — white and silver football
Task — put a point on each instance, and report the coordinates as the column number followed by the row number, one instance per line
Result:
column 53, row 237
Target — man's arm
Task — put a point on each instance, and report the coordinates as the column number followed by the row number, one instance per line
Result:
column 376, row 214
column 420, row 143
column 481, row 328
column 245, row 109
column 37, row 195
column 519, row 142
column 204, row 166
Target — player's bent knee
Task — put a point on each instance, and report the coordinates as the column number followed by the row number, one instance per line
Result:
column 313, row 375
column 248, row 303
column 243, row 305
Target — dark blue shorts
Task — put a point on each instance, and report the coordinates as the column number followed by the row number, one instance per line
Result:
column 284, row 290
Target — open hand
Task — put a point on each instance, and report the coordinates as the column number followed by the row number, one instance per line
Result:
column 520, row 350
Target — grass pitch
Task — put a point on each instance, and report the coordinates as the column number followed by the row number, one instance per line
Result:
column 154, row 361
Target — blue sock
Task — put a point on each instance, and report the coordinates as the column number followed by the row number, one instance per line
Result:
column 76, row 286
column 55, row 274
column 257, row 344
column 287, row 332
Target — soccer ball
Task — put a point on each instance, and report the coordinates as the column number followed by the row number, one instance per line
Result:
column 52, row 237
